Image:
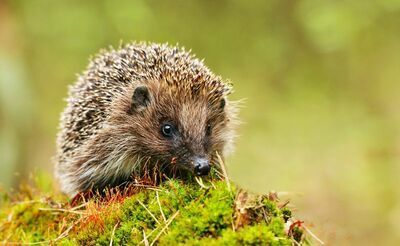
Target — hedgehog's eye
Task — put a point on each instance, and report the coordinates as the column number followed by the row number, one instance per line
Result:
column 167, row 130
column 208, row 129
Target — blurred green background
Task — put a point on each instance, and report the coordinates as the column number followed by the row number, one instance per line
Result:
column 321, row 119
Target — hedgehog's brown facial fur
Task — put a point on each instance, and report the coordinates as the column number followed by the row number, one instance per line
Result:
column 180, row 132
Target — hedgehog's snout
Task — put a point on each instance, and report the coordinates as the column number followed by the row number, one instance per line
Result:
column 201, row 166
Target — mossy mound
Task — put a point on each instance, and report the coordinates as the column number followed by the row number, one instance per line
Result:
column 175, row 212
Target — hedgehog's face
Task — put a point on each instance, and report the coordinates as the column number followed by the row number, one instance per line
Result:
column 179, row 128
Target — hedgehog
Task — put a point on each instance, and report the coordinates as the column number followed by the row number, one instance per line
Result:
column 139, row 106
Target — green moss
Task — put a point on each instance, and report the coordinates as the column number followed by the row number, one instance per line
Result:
column 259, row 234
column 27, row 222
column 173, row 213
column 204, row 216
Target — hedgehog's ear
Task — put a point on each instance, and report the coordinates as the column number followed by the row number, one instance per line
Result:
column 140, row 99
column 222, row 104
column 218, row 105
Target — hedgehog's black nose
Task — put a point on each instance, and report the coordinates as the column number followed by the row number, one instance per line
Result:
column 201, row 166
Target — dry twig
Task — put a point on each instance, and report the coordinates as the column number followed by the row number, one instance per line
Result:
column 228, row 184
column 164, row 228
column 148, row 211
column 159, row 205
column 200, row 182
column 113, row 233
